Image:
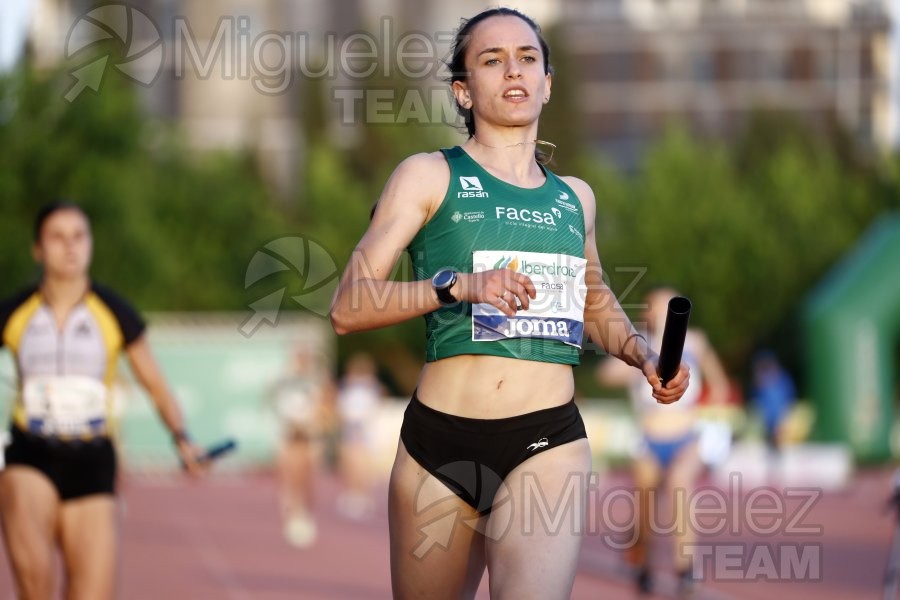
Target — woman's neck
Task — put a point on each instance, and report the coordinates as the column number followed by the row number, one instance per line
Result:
column 63, row 293
column 510, row 156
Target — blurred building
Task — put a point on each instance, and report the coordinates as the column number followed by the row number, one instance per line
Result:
column 224, row 78
column 641, row 64
column 709, row 63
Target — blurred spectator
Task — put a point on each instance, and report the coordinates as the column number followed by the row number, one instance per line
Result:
column 358, row 398
column 774, row 393
column 301, row 401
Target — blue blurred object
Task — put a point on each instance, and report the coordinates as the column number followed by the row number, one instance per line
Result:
column 774, row 392
column 218, row 450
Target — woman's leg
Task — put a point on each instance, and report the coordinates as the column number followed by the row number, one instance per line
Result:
column 87, row 532
column 647, row 474
column 436, row 548
column 536, row 527
column 682, row 476
column 295, row 475
column 355, row 467
column 29, row 507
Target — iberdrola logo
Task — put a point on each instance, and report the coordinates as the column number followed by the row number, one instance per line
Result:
column 511, row 263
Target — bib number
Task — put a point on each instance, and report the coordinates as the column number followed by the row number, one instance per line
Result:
column 66, row 406
column 557, row 311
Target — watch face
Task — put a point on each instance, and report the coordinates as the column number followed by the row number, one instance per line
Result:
column 442, row 279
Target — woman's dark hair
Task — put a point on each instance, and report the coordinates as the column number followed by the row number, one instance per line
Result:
column 457, row 64
column 50, row 208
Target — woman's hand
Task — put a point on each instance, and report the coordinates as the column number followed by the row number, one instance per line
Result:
column 674, row 388
column 506, row 290
column 190, row 456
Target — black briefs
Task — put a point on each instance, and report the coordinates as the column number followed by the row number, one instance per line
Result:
column 474, row 456
column 76, row 469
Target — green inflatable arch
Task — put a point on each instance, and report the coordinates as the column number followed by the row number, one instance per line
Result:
column 852, row 327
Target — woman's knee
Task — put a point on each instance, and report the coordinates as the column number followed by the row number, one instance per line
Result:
column 91, row 576
column 34, row 572
column 94, row 586
column 552, row 579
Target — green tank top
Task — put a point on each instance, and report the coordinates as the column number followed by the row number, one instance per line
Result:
column 485, row 223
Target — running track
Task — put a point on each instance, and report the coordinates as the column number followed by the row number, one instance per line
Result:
column 219, row 538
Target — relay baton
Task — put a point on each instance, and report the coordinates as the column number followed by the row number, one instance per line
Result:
column 218, row 450
column 673, row 338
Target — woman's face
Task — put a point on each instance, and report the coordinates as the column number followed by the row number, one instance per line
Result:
column 506, row 83
column 64, row 247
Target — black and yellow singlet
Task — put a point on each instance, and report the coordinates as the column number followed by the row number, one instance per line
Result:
column 65, row 373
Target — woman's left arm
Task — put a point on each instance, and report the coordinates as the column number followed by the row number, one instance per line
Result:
column 712, row 371
column 148, row 373
column 605, row 321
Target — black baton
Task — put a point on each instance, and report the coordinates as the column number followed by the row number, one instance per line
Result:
column 673, row 337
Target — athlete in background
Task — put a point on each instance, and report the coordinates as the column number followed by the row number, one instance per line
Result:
column 58, row 488
column 303, row 403
column 668, row 458
column 358, row 401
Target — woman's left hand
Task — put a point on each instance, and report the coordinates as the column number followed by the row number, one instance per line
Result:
column 190, row 457
column 674, row 388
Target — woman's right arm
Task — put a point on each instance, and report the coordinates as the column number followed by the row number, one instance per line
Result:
column 365, row 298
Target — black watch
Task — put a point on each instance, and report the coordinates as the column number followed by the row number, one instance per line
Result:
column 442, row 281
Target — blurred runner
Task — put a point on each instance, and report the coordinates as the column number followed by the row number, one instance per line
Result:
column 358, row 398
column 669, row 456
column 302, row 401
column 58, row 488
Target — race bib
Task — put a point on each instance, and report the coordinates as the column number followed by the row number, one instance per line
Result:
column 65, row 405
column 556, row 313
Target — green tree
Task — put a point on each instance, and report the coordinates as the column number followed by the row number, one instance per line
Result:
column 173, row 229
column 744, row 242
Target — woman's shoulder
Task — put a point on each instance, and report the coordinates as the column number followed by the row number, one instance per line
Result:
column 424, row 164
column 583, row 191
column 18, row 297
column 422, row 178
column 579, row 186
column 697, row 340
column 130, row 320
column 9, row 304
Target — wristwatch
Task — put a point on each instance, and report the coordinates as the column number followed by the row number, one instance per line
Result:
column 442, row 281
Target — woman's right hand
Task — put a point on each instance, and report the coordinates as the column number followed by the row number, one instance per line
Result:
column 504, row 289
